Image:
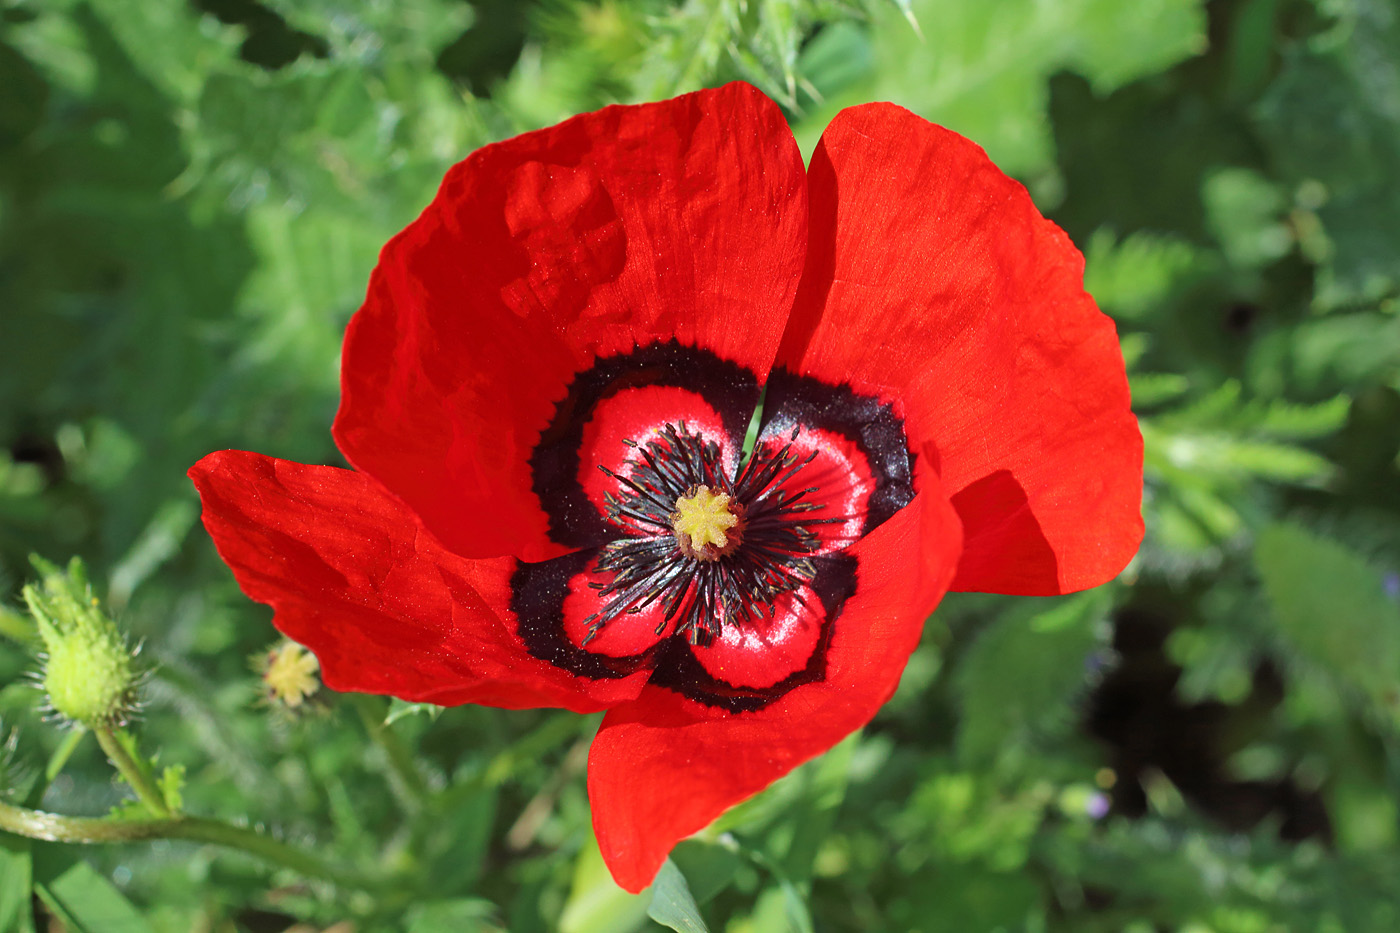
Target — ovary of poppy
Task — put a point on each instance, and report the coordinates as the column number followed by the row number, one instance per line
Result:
column 570, row 342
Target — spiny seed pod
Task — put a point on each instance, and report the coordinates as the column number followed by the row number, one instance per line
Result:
column 90, row 673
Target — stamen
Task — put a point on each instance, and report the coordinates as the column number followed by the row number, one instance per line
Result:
column 708, row 525
column 706, row 549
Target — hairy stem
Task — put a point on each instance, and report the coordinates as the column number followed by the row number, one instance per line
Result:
column 51, row 827
column 134, row 773
column 401, row 764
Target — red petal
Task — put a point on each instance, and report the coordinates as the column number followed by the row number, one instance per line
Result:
column 663, row 767
column 933, row 281
column 638, row 415
column 625, row 635
column 765, row 651
column 839, row 473
column 684, row 219
column 352, row 575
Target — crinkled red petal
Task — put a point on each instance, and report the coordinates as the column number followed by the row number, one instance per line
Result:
column 663, row 767
column 353, row 575
column 684, row 219
column 933, row 282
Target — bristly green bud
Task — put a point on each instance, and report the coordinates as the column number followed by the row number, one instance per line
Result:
column 90, row 673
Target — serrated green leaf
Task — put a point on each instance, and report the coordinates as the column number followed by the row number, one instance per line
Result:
column 172, row 785
column 973, row 821
column 1211, row 409
column 1348, row 348
column 1291, row 421
column 1223, row 455
column 364, row 30
column 1135, row 275
column 1150, row 389
column 400, row 709
column 671, row 902
column 1278, row 462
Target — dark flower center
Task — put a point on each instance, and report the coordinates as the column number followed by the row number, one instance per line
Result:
column 712, row 549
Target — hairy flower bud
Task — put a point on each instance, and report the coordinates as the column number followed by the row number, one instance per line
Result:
column 90, row 674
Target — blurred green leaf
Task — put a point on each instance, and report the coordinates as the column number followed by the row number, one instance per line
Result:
column 16, row 884
column 1245, row 214
column 1333, row 612
column 467, row 915
column 81, row 898
column 1019, row 679
column 708, row 867
column 1201, row 456
column 671, row 902
column 595, row 903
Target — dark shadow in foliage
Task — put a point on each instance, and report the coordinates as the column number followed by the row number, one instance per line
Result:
column 1366, row 450
column 1145, row 148
column 1142, row 149
column 257, row 920
column 272, row 43
column 1136, row 712
column 489, row 49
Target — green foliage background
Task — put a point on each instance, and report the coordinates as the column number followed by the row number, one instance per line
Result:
column 192, row 194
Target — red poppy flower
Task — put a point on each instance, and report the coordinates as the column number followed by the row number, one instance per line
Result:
column 545, row 399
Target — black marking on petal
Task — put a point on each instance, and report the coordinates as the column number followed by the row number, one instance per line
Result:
column 729, row 388
column 678, row 669
column 537, row 598
column 800, row 401
column 634, row 540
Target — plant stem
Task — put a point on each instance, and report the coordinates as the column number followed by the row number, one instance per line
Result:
column 400, row 759
column 52, row 827
column 63, row 753
column 134, row 773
